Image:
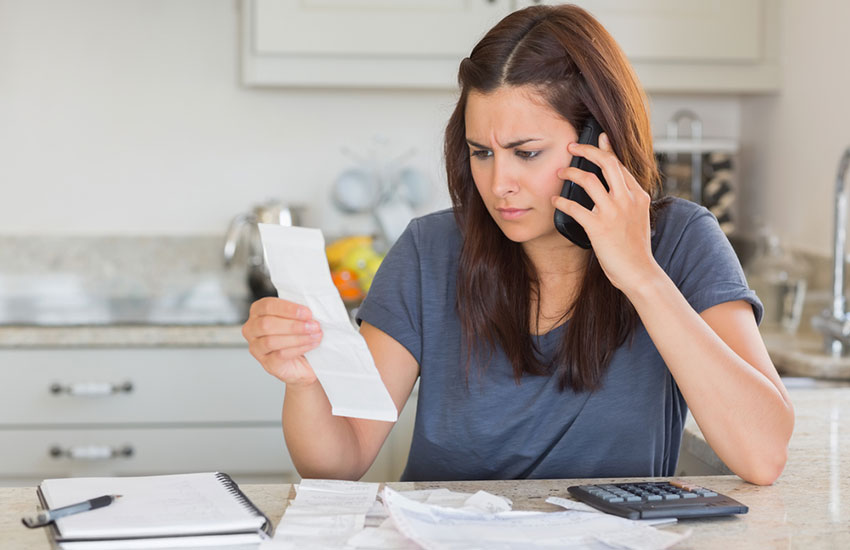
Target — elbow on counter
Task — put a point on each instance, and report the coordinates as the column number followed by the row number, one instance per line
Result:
column 766, row 472
column 768, row 463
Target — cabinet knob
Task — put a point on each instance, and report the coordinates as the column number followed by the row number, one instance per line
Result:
column 91, row 389
column 91, row 452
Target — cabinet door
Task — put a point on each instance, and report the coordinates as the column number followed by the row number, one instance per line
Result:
column 143, row 451
column 372, row 43
column 140, row 386
column 682, row 30
column 693, row 45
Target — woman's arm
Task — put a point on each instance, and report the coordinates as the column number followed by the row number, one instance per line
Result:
column 320, row 444
column 718, row 358
column 334, row 447
column 724, row 372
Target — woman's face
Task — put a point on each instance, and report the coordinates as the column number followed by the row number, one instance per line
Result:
column 517, row 143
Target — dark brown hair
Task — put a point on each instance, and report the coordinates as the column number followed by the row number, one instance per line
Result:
column 570, row 60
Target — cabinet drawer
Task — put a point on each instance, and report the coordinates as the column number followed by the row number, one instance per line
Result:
column 111, row 386
column 45, row 453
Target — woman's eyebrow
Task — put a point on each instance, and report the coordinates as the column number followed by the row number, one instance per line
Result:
column 510, row 145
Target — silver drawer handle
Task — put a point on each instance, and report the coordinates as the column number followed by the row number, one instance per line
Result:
column 91, row 452
column 91, row 389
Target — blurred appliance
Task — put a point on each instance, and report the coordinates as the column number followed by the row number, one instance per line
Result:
column 243, row 231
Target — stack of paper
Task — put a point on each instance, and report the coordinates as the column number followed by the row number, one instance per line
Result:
column 441, row 528
column 342, row 362
column 343, row 515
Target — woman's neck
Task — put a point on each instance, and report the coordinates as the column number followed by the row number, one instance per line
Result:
column 560, row 267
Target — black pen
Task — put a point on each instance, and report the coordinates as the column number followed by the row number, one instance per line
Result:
column 49, row 516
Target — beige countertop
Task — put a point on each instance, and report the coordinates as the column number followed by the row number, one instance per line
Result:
column 122, row 336
column 808, row 507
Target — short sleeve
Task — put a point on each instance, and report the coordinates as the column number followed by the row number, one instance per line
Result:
column 394, row 301
column 706, row 270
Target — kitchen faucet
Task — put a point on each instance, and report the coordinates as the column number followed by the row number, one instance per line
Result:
column 835, row 324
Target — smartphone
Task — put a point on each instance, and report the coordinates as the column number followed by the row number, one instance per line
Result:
column 566, row 225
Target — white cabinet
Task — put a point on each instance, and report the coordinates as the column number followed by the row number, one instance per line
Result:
column 139, row 411
column 674, row 45
column 694, row 45
column 361, row 43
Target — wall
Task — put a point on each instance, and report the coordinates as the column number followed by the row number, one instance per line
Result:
column 128, row 118
column 793, row 140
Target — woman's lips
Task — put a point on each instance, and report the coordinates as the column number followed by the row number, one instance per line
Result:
column 512, row 213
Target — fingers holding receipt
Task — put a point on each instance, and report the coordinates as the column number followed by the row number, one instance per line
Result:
column 342, row 361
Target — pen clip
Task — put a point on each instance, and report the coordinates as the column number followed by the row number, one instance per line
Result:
column 40, row 520
column 45, row 517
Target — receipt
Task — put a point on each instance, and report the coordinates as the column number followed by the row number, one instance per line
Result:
column 342, row 362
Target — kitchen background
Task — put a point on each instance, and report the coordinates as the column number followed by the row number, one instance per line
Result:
column 133, row 131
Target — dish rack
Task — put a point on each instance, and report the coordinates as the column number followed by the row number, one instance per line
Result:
column 699, row 169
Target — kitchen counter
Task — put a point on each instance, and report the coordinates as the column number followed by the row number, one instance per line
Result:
column 122, row 336
column 806, row 508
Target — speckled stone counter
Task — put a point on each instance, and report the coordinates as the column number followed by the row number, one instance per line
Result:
column 123, row 336
column 807, row 508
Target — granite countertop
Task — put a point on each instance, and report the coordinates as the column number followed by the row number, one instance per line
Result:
column 806, row 508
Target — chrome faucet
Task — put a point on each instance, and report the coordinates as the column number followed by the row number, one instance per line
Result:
column 835, row 323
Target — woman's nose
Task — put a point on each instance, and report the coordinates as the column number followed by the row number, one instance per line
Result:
column 504, row 180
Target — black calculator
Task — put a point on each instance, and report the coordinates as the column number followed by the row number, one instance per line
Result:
column 657, row 499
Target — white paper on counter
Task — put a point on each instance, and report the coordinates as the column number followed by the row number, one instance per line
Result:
column 329, row 515
column 342, row 362
column 582, row 507
column 325, row 514
column 439, row 528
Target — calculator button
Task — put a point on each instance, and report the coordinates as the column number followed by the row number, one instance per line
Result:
column 633, row 498
column 671, row 496
column 707, row 493
column 689, row 495
column 613, row 498
column 653, row 497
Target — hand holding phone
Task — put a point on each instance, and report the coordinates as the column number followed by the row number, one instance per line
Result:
column 565, row 224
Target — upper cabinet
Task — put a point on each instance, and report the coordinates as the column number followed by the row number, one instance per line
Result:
column 674, row 45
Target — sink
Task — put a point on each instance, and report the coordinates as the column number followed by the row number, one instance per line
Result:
column 803, row 355
column 77, row 310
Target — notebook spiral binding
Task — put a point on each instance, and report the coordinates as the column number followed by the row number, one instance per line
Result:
column 243, row 499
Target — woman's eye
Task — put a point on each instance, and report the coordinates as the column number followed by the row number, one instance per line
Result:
column 527, row 155
column 481, row 153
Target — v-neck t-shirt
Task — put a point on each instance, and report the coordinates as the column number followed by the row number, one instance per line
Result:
column 487, row 426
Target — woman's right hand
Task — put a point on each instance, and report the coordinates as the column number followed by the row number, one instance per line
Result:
column 279, row 333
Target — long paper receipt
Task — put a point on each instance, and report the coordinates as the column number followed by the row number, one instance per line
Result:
column 342, row 362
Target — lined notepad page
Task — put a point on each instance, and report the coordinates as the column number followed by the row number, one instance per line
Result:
column 185, row 504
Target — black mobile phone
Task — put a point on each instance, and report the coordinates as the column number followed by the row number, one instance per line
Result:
column 566, row 225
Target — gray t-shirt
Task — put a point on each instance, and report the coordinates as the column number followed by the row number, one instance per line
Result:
column 492, row 428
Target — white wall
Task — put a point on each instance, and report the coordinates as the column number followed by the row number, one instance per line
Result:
column 127, row 117
column 793, row 140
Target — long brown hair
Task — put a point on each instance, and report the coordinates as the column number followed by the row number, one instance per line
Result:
column 566, row 56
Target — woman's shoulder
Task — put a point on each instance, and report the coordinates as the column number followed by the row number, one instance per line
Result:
column 674, row 217
column 687, row 232
column 674, row 212
column 436, row 229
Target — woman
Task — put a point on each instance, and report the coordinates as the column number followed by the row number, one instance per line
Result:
column 538, row 358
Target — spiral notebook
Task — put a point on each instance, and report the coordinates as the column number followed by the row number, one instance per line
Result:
column 167, row 511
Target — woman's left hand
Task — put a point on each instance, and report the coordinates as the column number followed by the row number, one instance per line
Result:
column 618, row 226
